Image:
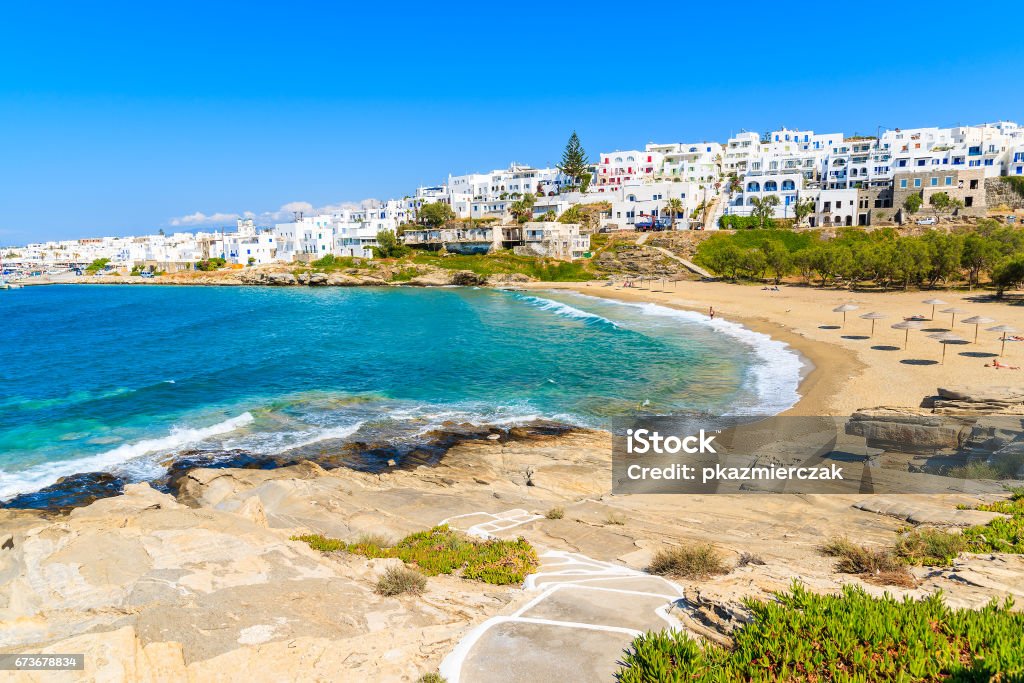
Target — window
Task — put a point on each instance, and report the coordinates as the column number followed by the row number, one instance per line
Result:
column 935, row 181
column 903, row 184
column 917, row 182
column 949, row 180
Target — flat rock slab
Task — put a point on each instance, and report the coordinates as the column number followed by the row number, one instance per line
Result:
column 921, row 513
column 522, row 652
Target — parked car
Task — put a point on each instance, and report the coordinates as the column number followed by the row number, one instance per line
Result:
column 926, row 221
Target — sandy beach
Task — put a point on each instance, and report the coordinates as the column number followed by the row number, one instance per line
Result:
column 851, row 370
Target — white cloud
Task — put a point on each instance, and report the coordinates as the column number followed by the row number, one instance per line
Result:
column 283, row 214
column 200, row 218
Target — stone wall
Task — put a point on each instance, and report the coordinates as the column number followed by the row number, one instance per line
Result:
column 998, row 192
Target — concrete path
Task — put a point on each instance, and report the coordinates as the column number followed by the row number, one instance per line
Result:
column 584, row 614
column 690, row 265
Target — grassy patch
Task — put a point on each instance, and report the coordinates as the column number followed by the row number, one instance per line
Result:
column 555, row 513
column 800, row 636
column 688, row 562
column 404, row 274
column 443, row 551
column 1001, row 535
column 929, row 547
column 877, row 565
column 330, row 263
column 432, row 678
column 1005, row 467
column 615, row 518
column 401, row 580
column 508, row 263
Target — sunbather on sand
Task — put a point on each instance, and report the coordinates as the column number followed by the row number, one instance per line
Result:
column 1001, row 366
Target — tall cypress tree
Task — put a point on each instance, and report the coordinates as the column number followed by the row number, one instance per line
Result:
column 574, row 160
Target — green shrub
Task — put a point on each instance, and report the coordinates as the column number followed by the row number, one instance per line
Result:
column 97, row 265
column 688, row 562
column 880, row 566
column 555, row 513
column 1002, row 534
column 377, row 540
column 851, row 637
column 929, row 547
column 441, row 550
column 209, row 264
column 401, row 580
column 432, row 678
column 321, row 543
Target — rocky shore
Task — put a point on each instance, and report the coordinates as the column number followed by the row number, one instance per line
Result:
column 280, row 275
column 202, row 582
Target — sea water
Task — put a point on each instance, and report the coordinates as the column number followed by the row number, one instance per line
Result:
column 121, row 378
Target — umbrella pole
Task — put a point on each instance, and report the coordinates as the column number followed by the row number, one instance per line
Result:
column 976, row 333
column 952, row 319
column 1002, row 349
column 906, row 339
column 943, row 362
column 844, row 319
column 933, row 312
column 872, row 327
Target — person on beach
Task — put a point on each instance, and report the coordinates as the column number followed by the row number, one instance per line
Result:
column 1001, row 366
column 711, row 312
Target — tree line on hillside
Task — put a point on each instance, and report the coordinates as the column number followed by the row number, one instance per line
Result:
column 883, row 257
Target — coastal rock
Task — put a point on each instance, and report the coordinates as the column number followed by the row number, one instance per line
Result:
column 906, row 430
column 979, row 400
column 317, row 279
column 351, row 280
column 434, row 278
column 152, row 590
column 467, row 278
column 281, row 279
column 69, row 492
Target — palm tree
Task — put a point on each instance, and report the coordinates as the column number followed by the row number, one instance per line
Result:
column 674, row 207
column 764, row 208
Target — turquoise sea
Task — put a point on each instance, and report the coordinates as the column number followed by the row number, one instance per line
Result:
column 121, row 379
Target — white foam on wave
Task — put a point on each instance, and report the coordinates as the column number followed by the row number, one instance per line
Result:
column 40, row 476
column 777, row 374
column 564, row 310
column 310, row 438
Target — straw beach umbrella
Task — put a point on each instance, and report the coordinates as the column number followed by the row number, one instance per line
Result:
column 946, row 338
column 843, row 309
column 1004, row 329
column 953, row 312
column 873, row 317
column 907, row 325
column 977, row 321
column 933, row 303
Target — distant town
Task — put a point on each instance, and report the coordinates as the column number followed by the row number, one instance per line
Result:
column 814, row 179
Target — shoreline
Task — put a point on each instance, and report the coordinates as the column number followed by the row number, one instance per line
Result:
column 86, row 485
column 825, row 365
column 841, row 372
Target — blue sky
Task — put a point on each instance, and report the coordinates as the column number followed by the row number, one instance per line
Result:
column 119, row 118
